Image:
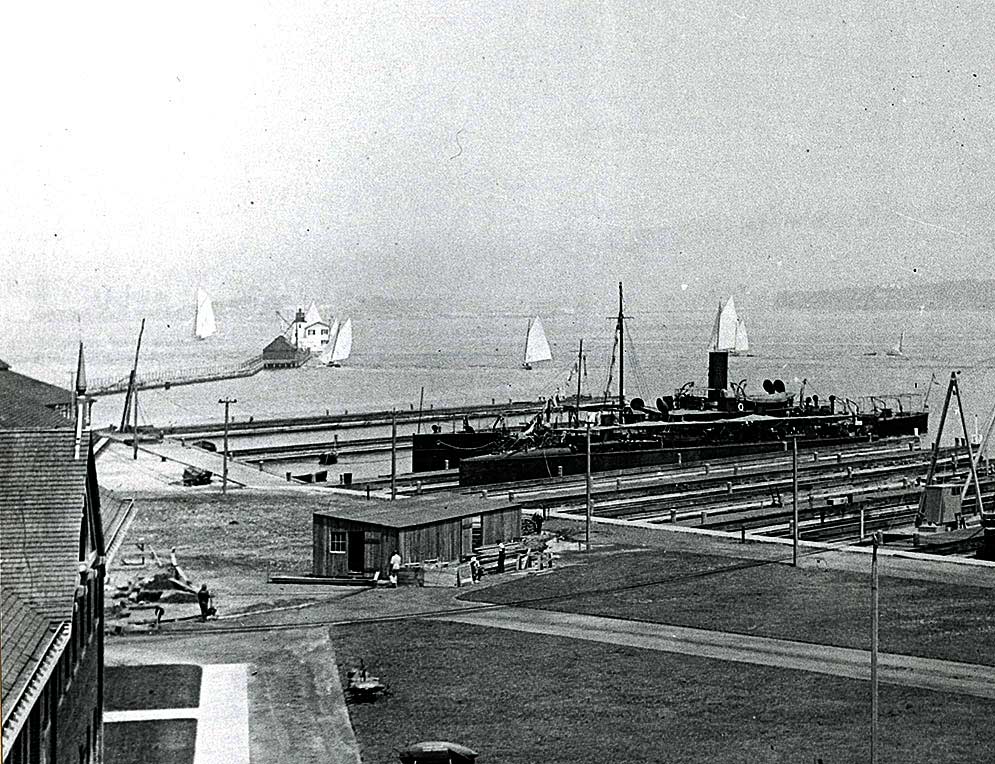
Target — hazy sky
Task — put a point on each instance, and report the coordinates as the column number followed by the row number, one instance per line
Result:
column 501, row 149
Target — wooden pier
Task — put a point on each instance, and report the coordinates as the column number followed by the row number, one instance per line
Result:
column 166, row 379
column 359, row 419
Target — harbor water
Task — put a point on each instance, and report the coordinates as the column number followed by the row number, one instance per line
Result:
column 463, row 360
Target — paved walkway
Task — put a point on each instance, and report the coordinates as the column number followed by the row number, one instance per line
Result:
column 926, row 673
column 222, row 716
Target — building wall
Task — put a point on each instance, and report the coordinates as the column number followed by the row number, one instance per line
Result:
column 502, row 526
column 332, row 538
column 79, row 722
column 314, row 337
column 65, row 726
column 446, row 540
column 440, row 541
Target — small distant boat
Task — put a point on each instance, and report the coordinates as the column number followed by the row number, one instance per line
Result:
column 536, row 344
column 203, row 323
column 340, row 347
column 897, row 351
column 729, row 332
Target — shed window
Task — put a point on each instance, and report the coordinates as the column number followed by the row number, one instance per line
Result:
column 336, row 542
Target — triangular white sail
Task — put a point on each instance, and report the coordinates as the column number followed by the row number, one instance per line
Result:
column 742, row 341
column 326, row 356
column 725, row 330
column 343, row 342
column 313, row 316
column 536, row 344
column 203, row 325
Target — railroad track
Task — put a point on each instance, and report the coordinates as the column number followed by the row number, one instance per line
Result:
column 742, row 493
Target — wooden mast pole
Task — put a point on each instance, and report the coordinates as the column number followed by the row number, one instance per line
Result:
column 580, row 363
column 131, row 380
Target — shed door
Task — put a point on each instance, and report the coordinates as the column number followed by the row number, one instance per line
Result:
column 356, row 551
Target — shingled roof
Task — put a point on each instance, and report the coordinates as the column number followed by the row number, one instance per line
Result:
column 42, row 495
column 13, row 384
column 20, row 413
column 26, row 634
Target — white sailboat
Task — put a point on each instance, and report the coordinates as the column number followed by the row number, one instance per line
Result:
column 727, row 329
column 742, row 346
column 313, row 315
column 203, row 323
column 326, row 357
column 897, row 351
column 536, row 344
column 341, row 346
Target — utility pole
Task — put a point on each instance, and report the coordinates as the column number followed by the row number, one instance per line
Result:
column 224, row 474
column 621, row 356
column 794, row 501
column 587, row 522
column 874, row 649
column 393, row 454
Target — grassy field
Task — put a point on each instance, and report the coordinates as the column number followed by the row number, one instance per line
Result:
column 828, row 607
column 164, row 685
column 516, row 697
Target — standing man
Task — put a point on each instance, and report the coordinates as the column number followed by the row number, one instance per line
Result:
column 204, row 600
column 501, row 555
column 395, row 566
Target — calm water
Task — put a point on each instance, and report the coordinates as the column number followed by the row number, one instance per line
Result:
column 465, row 359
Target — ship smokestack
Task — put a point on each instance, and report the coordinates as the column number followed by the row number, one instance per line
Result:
column 718, row 373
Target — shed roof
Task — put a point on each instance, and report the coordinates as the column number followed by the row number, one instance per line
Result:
column 279, row 345
column 410, row 513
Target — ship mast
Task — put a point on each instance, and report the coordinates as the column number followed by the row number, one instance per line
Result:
column 621, row 356
column 580, row 365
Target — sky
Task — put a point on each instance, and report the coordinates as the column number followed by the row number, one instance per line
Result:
column 492, row 152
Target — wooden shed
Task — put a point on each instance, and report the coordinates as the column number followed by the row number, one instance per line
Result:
column 361, row 538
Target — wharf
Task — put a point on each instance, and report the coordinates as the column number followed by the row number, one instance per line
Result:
column 359, row 419
column 167, row 379
column 191, row 376
column 160, row 465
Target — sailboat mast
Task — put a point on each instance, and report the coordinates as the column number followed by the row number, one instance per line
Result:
column 580, row 362
column 131, row 380
column 621, row 356
column 528, row 331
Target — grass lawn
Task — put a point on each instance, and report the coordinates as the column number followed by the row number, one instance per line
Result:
column 167, row 740
column 827, row 607
column 516, row 697
column 166, row 685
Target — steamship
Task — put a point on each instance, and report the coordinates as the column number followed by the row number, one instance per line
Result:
column 688, row 426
